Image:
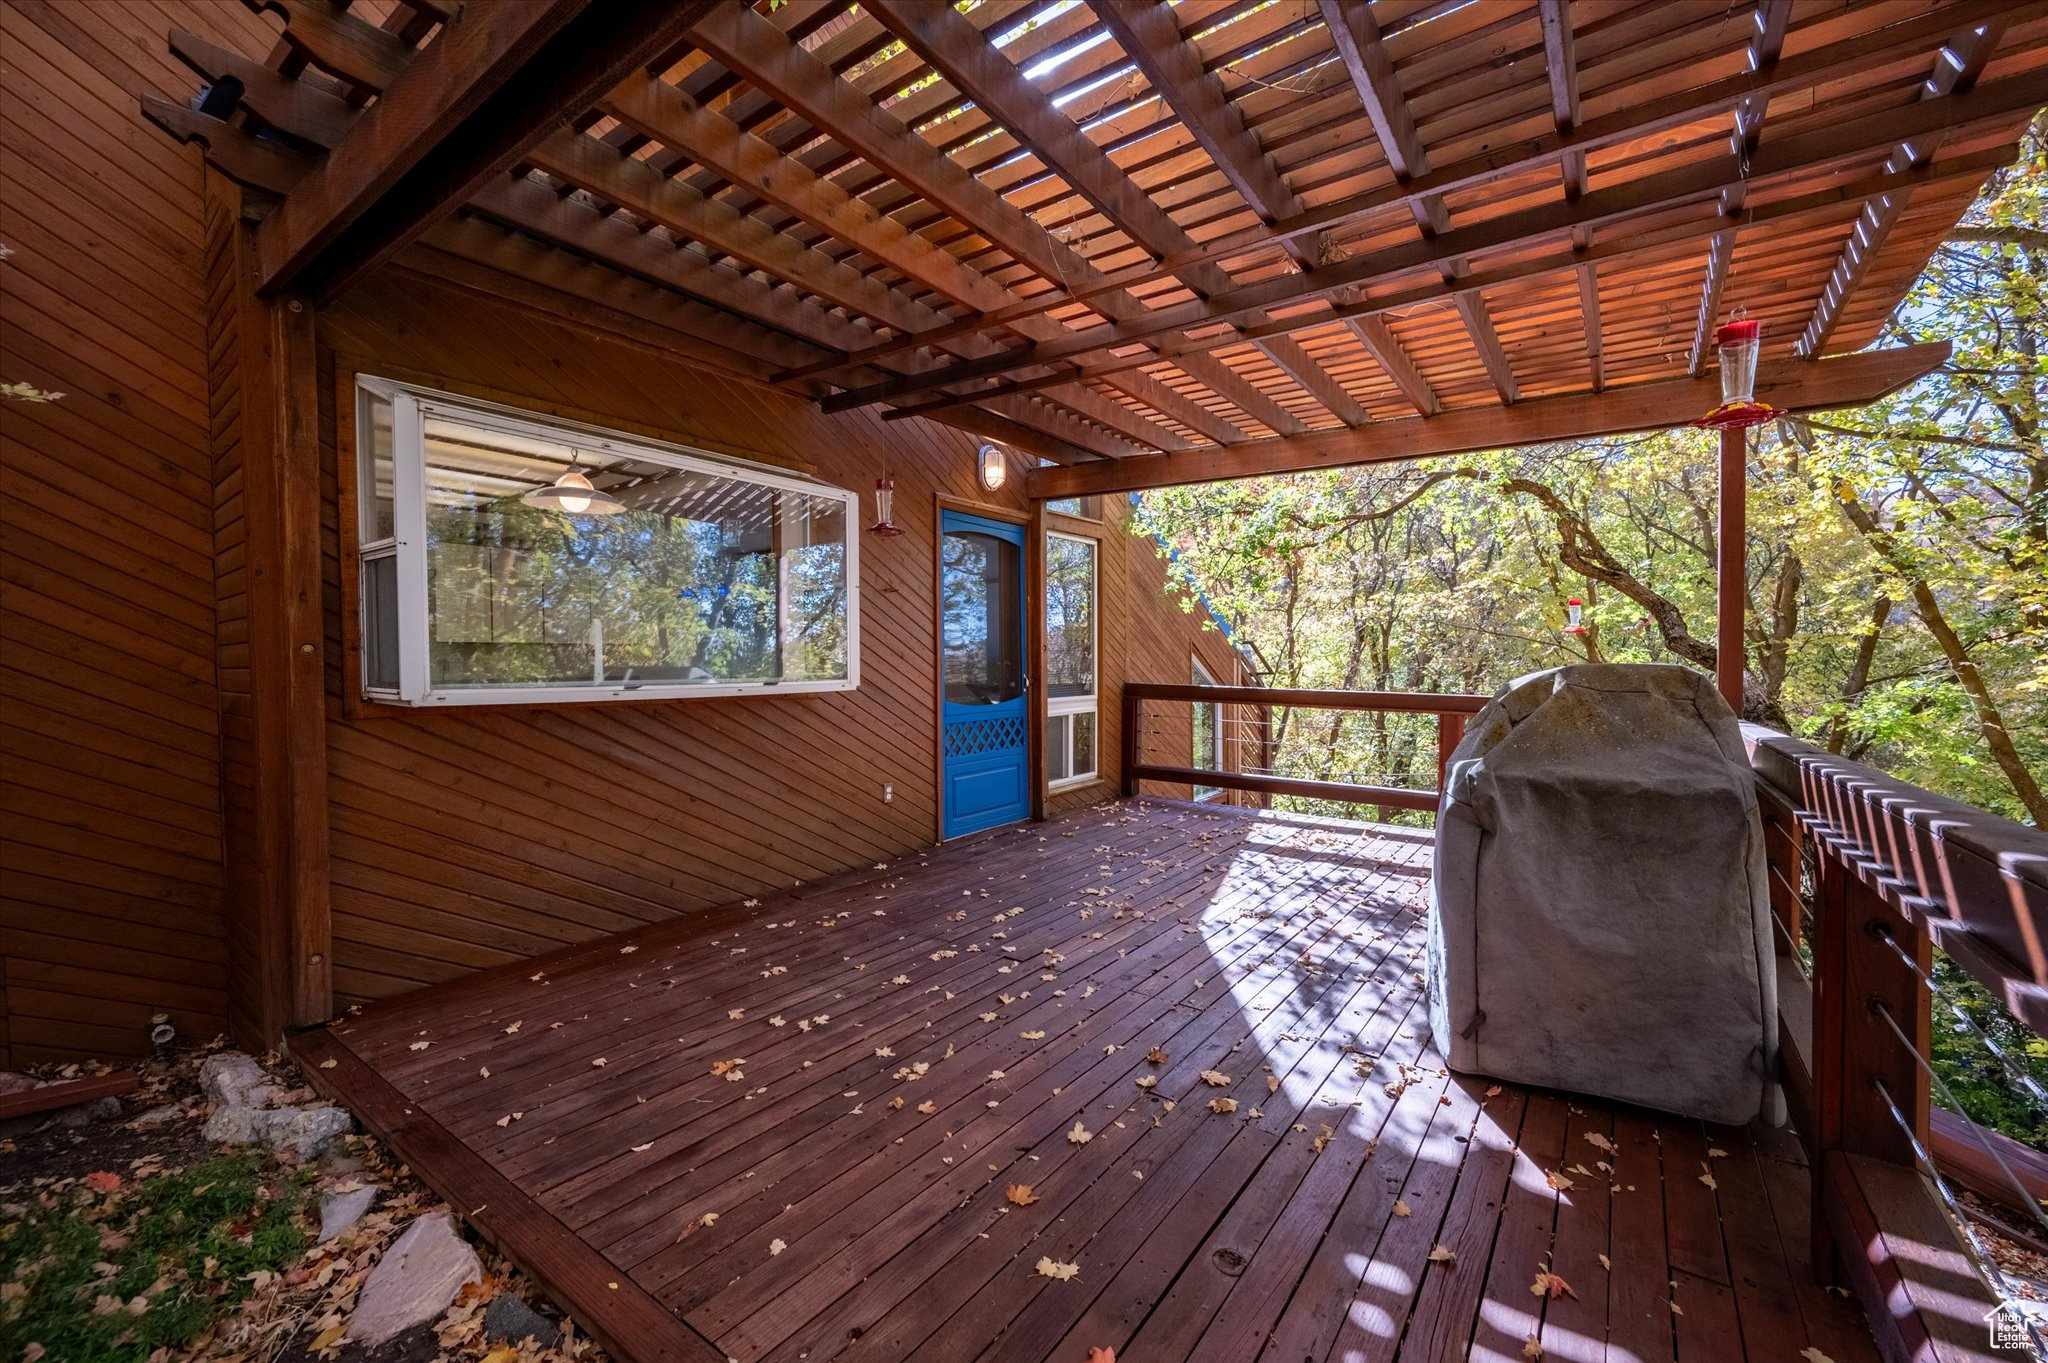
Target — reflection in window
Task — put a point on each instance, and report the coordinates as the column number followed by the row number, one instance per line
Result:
column 981, row 591
column 709, row 576
column 1070, row 661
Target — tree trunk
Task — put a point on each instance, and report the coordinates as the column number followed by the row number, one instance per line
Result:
column 1990, row 723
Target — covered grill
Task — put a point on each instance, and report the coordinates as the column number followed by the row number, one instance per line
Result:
column 1600, row 921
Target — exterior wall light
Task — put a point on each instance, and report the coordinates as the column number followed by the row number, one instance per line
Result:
column 994, row 467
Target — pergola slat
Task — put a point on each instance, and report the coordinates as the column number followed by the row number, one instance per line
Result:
column 1132, row 232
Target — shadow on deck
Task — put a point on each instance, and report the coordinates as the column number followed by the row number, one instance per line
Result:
column 786, row 1130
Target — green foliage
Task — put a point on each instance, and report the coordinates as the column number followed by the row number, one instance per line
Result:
column 113, row 1276
column 1983, row 1089
column 1897, row 610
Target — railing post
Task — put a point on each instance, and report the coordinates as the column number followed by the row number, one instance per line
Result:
column 1450, row 728
column 1859, row 980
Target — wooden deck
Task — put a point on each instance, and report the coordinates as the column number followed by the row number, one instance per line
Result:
column 787, row 1130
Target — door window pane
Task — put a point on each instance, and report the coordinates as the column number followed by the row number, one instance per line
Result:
column 980, row 587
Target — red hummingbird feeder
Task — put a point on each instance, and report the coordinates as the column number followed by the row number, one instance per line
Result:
column 1739, row 343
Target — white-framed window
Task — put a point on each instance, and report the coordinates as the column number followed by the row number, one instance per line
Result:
column 1205, row 746
column 507, row 557
column 1070, row 662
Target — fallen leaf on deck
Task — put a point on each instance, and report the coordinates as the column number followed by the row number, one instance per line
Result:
column 1101, row 1355
column 329, row 1063
column 419, row 1045
column 927, row 1107
column 627, row 951
column 884, row 1053
column 729, row 1068
column 1403, row 1209
column 1708, row 1178
column 1598, row 1141
column 1532, row 1347
column 1080, row 1135
column 638, row 1148
column 1440, row 1255
column 1216, row 1079
column 1813, row 1355
column 1272, row 1083
column 1559, row 1180
column 598, row 1063
column 1548, row 1284
column 735, row 1014
column 1606, row 1263
column 1156, row 1056
column 514, row 1027
column 1050, row 1268
column 1223, row 1105
column 776, row 1247
column 1146, row 1081
column 1020, row 1195
column 1032, row 1036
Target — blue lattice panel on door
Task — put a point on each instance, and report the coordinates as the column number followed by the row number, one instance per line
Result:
column 967, row 737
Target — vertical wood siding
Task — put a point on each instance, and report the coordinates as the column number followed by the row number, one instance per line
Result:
column 110, row 867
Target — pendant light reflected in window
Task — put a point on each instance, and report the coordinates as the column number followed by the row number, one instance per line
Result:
column 574, row 494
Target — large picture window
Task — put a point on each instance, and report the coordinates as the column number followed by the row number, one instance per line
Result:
column 507, row 557
column 1070, row 670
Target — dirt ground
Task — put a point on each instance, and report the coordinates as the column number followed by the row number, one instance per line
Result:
column 298, row 1315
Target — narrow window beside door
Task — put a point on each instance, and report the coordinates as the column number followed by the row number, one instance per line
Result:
column 1206, row 745
column 1070, row 639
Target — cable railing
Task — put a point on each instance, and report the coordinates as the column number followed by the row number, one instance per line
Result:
column 1868, row 877
column 1244, row 730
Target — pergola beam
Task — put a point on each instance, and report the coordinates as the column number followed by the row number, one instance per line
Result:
column 755, row 48
column 1846, row 381
column 1843, row 60
column 1166, row 329
column 1961, row 61
column 495, row 80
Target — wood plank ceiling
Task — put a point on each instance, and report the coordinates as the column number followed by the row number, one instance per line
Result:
column 1115, row 229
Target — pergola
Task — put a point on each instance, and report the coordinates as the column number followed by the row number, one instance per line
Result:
column 1153, row 244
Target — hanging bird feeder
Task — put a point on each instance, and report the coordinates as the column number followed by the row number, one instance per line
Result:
column 1575, row 608
column 885, row 508
column 1739, row 343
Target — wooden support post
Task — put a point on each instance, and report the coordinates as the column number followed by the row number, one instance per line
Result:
column 1731, row 579
column 1858, row 981
column 1450, row 728
column 268, row 585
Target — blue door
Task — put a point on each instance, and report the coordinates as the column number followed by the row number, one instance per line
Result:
column 985, row 717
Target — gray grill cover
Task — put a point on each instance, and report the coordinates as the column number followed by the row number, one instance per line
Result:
column 1600, row 921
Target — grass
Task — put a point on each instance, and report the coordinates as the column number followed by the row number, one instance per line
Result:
column 110, row 1276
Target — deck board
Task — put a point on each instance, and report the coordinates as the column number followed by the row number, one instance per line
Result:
column 828, row 1205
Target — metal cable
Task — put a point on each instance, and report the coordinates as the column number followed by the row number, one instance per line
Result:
column 1950, row 1102
column 1987, row 1267
column 2013, row 1071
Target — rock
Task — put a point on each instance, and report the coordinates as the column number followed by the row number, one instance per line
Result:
column 106, row 1109
column 415, row 1280
column 233, row 1125
column 302, row 1131
column 159, row 1116
column 232, row 1079
column 509, row 1320
column 339, row 1211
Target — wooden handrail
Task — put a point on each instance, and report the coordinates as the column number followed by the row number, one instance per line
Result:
column 1895, row 871
column 1449, row 708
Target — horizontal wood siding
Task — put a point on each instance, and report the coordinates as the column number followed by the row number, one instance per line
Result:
column 110, row 862
column 464, row 838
